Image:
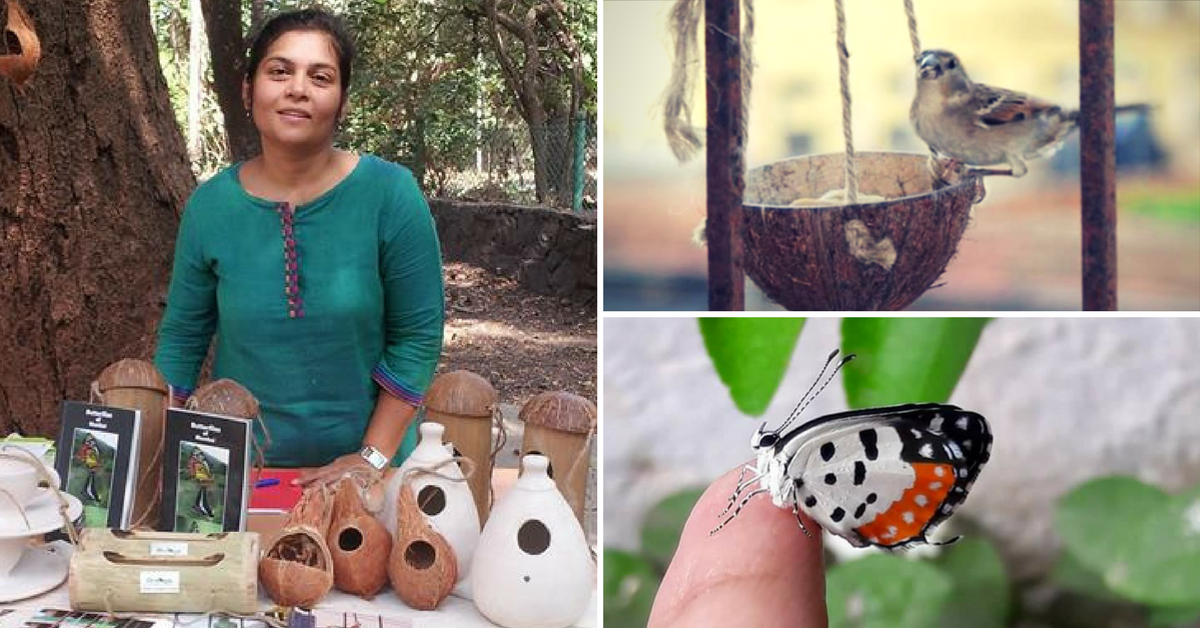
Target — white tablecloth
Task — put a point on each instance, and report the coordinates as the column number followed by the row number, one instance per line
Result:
column 454, row 612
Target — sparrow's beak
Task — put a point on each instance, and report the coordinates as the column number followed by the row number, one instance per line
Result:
column 928, row 66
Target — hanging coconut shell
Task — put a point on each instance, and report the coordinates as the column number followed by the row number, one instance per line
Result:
column 226, row 397
column 422, row 566
column 873, row 255
column 359, row 544
column 23, row 49
column 297, row 568
column 558, row 425
column 464, row 402
column 137, row 385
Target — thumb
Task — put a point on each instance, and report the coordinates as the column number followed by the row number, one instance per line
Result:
column 759, row 570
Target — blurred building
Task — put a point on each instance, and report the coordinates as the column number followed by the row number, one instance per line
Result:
column 1028, row 45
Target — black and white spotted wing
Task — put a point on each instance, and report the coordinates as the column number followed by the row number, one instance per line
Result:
column 881, row 476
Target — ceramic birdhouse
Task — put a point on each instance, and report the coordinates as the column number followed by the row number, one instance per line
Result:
column 559, row 425
column 442, row 495
column 464, row 403
column 533, row 568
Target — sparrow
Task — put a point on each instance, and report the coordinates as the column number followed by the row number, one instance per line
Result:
column 978, row 125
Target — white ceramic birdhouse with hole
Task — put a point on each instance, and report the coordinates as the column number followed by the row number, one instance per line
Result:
column 533, row 568
column 443, row 495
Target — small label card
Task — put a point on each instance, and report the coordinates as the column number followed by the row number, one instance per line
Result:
column 160, row 581
column 166, row 548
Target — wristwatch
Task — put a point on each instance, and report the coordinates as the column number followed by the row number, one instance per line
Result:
column 374, row 457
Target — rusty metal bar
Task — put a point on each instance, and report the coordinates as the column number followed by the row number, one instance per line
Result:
column 723, row 71
column 1097, row 155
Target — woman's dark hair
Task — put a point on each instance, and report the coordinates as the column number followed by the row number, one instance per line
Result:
column 305, row 20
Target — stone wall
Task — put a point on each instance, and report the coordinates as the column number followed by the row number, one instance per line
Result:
column 547, row 251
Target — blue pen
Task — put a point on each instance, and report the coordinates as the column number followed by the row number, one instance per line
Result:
column 267, row 482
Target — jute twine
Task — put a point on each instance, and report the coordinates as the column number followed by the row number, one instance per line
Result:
column 24, row 455
column 683, row 29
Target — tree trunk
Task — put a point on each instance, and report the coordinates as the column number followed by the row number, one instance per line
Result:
column 93, row 176
column 223, row 23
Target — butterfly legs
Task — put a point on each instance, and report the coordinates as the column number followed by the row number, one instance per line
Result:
column 796, row 511
column 741, row 486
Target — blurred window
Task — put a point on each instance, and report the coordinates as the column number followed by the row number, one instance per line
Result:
column 800, row 143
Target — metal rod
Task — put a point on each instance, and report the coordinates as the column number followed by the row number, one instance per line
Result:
column 723, row 71
column 1097, row 155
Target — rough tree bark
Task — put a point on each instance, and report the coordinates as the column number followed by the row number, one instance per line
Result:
column 547, row 50
column 93, row 175
column 223, row 24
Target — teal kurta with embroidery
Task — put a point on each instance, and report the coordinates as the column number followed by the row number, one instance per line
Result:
column 313, row 309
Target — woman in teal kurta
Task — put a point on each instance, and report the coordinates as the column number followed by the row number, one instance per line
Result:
column 318, row 270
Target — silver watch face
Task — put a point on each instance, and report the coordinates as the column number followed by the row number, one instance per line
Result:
column 374, row 457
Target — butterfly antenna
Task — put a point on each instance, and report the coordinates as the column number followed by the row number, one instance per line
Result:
column 806, row 394
column 803, row 405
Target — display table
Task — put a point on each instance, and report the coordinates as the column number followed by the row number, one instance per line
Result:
column 337, row 609
column 385, row 610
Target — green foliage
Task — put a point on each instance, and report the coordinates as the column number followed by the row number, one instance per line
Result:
column 427, row 91
column 630, row 583
column 883, row 591
column 980, row 597
column 751, row 356
column 903, row 360
column 1128, row 540
column 663, row 525
column 964, row 586
column 1181, row 207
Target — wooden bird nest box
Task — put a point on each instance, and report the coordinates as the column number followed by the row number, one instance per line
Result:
column 867, row 256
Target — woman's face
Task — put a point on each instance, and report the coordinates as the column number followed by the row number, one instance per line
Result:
column 296, row 95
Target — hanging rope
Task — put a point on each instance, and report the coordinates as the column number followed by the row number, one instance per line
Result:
column 844, row 67
column 683, row 28
column 912, row 27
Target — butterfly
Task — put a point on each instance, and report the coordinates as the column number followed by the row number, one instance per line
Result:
column 882, row 477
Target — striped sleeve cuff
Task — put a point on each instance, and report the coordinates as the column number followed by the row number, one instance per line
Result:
column 392, row 384
column 180, row 395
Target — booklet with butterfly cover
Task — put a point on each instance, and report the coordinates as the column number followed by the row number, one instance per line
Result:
column 97, row 460
column 206, row 472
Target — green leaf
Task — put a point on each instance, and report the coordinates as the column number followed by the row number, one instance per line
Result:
column 1097, row 521
column 906, row 360
column 751, row 356
column 884, row 591
column 1070, row 574
column 664, row 524
column 1174, row 616
column 630, row 584
column 1165, row 568
column 980, row 588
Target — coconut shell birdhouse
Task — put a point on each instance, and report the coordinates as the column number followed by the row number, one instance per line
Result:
column 137, row 385
column 559, row 425
column 422, row 567
column 358, row 543
column 297, row 569
column 225, row 397
column 465, row 404
column 876, row 254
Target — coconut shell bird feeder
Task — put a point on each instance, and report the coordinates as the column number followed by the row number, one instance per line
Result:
column 873, row 255
column 560, row 425
column 880, row 254
column 465, row 403
column 878, row 243
column 137, row 385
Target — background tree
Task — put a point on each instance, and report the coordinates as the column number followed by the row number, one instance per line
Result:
column 542, row 65
column 227, row 47
column 93, row 175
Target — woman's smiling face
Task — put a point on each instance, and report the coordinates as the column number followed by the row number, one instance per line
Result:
column 296, row 96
